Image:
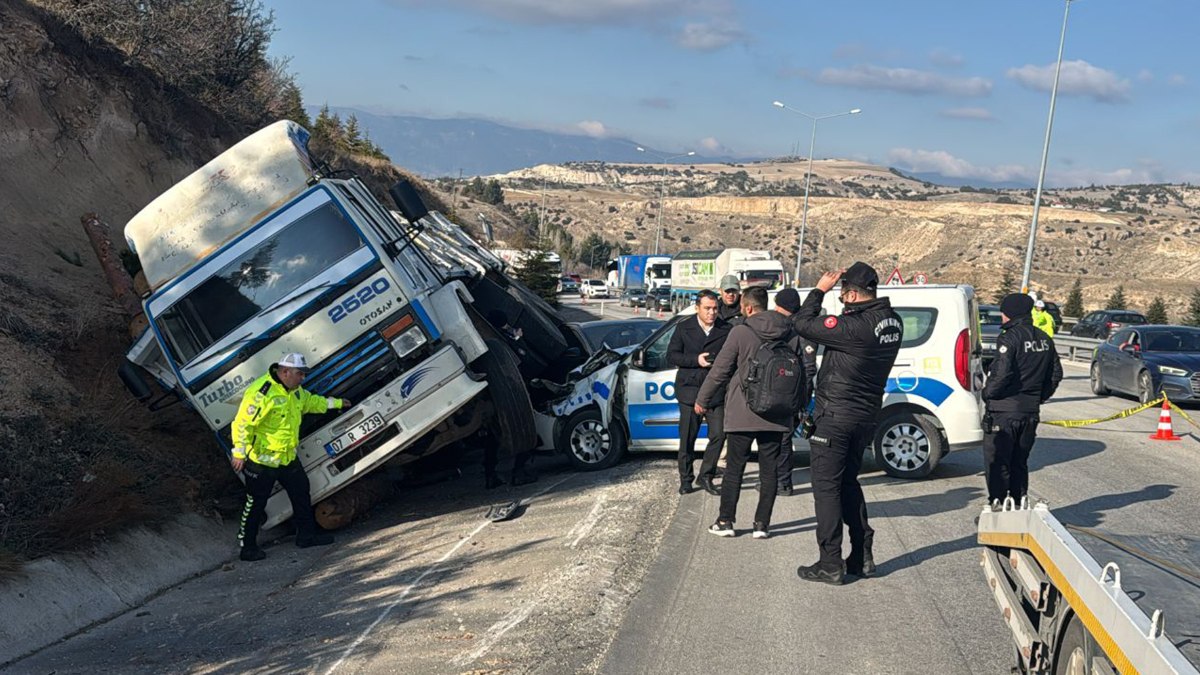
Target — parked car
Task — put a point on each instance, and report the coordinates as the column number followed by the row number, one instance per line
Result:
column 594, row 288
column 1055, row 313
column 568, row 285
column 576, row 278
column 659, row 299
column 1102, row 323
column 990, row 320
column 613, row 333
column 1147, row 361
column 633, row 297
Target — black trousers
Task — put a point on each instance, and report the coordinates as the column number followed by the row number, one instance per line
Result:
column 1006, row 448
column 786, row 450
column 689, row 430
column 260, row 480
column 837, row 455
column 735, row 467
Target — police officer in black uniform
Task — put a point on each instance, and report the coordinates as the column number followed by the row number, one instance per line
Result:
column 860, row 348
column 1024, row 375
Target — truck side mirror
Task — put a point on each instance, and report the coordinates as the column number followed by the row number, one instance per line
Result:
column 133, row 381
column 408, row 201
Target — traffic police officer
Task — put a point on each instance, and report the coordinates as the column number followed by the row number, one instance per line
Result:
column 266, row 433
column 1024, row 375
column 1042, row 319
column 860, row 348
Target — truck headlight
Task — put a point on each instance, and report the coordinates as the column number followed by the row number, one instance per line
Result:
column 1168, row 370
column 408, row 341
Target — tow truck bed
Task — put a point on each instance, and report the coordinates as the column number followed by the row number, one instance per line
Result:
column 1140, row 605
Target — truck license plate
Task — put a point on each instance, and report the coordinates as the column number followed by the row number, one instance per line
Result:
column 358, row 433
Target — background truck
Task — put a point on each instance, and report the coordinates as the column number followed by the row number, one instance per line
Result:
column 658, row 271
column 263, row 251
column 693, row 271
column 1138, row 613
column 631, row 271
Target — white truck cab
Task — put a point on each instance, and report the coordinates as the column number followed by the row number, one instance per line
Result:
column 932, row 403
column 258, row 254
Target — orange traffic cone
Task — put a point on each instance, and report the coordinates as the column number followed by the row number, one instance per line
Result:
column 1164, row 433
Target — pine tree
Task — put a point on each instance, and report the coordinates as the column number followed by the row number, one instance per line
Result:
column 353, row 135
column 1157, row 312
column 293, row 106
column 1074, row 304
column 1117, row 299
column 539, row 274
column 475, row 188
column 1192, row 318
column 493, row 193
column 1007, row 285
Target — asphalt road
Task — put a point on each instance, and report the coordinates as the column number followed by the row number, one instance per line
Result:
column 717, row 605
column 612, row 572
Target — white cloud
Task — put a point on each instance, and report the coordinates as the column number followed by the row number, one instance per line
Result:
column 711, row 144
column 709, row 36
column 1144, row 75
column 946, row 59
column 1078, row 78
column 1177, row 80
column 593, row 128
column 904, row 80
column 940, row 161
column 969, row 114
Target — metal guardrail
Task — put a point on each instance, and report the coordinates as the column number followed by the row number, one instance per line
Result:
column 1075, row 348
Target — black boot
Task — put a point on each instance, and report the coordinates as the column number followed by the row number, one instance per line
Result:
column 251, row 553
column 860, row 563
column 685, row 487
column 826, row 573
column 706, row 482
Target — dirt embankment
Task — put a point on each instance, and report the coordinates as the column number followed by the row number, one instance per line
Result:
column 80, row 131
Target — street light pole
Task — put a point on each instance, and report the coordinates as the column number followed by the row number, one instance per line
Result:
column 1037, row 198
column 661, row 184
column 808, row 174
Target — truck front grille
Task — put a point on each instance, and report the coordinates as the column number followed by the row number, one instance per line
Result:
column 360, row 369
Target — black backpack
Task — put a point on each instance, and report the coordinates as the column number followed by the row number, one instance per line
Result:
column 774, row 382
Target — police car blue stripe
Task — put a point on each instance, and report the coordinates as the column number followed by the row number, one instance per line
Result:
column 934, row 391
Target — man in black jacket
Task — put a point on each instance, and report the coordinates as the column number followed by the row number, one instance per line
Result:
column 693, row 348
column 860, row 348
column 1024, row 375
column 787, row 303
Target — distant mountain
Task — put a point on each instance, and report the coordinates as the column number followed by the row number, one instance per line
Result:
column 950, row 181
column 441, row 147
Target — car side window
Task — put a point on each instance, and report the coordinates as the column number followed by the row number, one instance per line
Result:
column 1119, row 338
column 654, row 356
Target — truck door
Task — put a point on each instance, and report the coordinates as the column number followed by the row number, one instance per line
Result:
column 650, row 406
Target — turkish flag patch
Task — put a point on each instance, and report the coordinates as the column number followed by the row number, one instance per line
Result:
column 831, row 322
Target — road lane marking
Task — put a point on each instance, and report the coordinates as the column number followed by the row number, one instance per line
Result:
column 584, row 526
column 436, row 566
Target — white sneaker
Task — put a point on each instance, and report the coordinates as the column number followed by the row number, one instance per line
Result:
column 721, row 529
column 760, row 531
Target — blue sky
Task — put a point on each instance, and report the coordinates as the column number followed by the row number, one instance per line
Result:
column 956, row 87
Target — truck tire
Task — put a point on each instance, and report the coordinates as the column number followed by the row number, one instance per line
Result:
column 909, row 445
column 588, row 444
column 512, row 421
column 1078, row 652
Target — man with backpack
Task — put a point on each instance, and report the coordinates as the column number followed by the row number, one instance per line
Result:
column 861, row 346
column 760, row 365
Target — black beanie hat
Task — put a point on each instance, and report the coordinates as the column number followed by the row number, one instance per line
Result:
column 1016, row 305
column 788, row 299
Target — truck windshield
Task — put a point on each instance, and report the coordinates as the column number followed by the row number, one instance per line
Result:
column 660, row 271
column 258, row 279
column 768, row 278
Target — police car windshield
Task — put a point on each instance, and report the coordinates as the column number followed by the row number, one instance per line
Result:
column 258, row 279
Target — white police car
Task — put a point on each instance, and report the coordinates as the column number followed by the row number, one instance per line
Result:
column 625, row 400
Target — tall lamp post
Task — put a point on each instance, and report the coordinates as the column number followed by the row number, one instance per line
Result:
column 662, row 180
column 1037, row 198
column 808, row 174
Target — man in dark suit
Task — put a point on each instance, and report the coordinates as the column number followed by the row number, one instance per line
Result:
column 693, row 348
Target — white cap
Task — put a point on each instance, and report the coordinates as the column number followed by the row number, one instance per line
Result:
column 293, row 360
column 1039, row 304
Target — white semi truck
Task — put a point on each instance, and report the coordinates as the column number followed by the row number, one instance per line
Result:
column 263, row 251
column 1081, row 600
column 694, row 271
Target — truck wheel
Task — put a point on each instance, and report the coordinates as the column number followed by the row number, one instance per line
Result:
column 588, row 444
column 512, row 421
column 1078, row 653
column 909, row 445
column 1098, row 387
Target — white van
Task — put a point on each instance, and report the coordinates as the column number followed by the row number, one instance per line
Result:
column 932, row 403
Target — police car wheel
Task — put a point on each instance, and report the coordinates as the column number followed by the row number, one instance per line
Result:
column 588, row 444
column 909, row 445
column 512, row 422
column 1098, row 387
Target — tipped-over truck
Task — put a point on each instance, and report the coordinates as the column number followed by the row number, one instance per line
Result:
column 265, row 251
